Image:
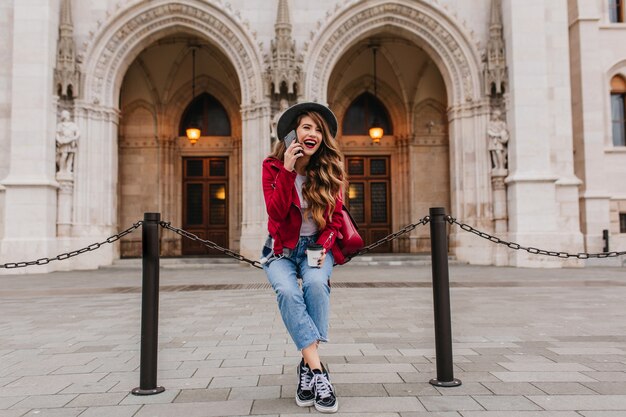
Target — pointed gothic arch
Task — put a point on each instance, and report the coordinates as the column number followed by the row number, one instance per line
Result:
column 427, row 25
column 122, row 39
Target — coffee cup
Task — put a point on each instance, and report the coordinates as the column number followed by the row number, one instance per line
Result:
column 314, row 253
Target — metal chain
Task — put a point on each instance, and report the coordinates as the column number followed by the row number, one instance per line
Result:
column 388, row 238
column 257, row 264
column 67, row 255
column 210, row 245
column 530, row 249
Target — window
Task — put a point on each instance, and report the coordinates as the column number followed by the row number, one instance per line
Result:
column 622, row 222
column 616, row 11
column 207, row 113
column 361, row 114
column 618, row 110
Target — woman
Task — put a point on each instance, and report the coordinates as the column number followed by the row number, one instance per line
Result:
column 303, row 184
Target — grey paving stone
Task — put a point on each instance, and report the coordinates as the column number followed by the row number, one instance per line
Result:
column 277, row 405
column 13, row 413
column 431, row 414
column 206, row 409
column 371, row 368
column 601, row 413
column 513, row 388
column 386, row 404
column 88, row 400
column 607, row 388
column 544, row 367
column 509, row 413
column 254, row 393
column 542, row 377
column 45, row 401
column 117, row 411
column 563, row 388
column 234, row 381
column 54, row 412
column 357, row 378
column 359, row 390
column 6, row 402
column 506, row 402
column 607, row 376
column 410, row 389
column 202, row 395
column 184, row 383
column 450, row 403
column 581, row 402
column 239, row 371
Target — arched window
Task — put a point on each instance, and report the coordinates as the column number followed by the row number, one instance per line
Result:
column 616, row 11
column 618, row 110
column 208, row 114
column 361, row 113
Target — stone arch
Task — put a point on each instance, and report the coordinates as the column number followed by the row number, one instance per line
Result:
column 387, row 95
column 122, row 39
column 428, row 26
column 181, row 97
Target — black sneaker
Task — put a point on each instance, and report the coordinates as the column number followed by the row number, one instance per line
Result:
column 325, row 398
column 305, row 397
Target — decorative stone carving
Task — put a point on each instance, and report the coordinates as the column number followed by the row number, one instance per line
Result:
column 498, row 137
column 495, row 72
column 284, row 67
column 447, row 43
column 66, row 142
column 66, row 73
column 219, row 23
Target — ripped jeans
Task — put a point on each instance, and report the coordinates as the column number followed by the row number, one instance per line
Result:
column 304, row 311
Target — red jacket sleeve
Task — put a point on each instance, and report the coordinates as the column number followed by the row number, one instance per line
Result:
column 277, row 188
column 329, row 233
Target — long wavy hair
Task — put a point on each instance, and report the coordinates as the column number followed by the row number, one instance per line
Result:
column 326, row 177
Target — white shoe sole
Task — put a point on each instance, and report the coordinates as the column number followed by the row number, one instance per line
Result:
column 304, row 403
column 328, row 410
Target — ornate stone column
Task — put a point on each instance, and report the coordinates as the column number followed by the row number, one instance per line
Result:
column 94, row 215
column 31, row 189
column 255, row 146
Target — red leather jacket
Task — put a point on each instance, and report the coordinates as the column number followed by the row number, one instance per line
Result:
column 283, row 208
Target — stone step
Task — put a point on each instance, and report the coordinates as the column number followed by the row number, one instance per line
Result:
column 380, row 259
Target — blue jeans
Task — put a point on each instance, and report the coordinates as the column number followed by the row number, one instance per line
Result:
column 304, row 311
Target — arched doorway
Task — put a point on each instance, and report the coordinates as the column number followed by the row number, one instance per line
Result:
column 398, row 179
column 452, row 51
column 159, row 169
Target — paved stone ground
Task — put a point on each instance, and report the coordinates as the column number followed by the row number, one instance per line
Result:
column 527, row 343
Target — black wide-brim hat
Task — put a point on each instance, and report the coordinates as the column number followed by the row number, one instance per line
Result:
column 288, row 118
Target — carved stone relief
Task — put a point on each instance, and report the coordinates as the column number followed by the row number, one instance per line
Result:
column 460, row 63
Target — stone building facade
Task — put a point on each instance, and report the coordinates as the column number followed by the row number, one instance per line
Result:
column 504, row 112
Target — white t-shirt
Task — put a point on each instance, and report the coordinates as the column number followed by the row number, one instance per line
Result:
column 309, row 227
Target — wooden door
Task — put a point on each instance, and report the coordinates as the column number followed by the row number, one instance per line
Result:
column 369, row 197
column 205, row 203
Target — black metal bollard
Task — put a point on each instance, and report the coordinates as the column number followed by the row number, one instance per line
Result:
column 441, row 299
column 149, row 306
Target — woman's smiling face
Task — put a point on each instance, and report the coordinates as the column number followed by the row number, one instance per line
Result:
column 309, row 135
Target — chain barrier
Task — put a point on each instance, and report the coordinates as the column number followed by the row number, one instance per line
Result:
column 530, row 249
column 67, row 255
column 406, row 229
column 257, row 264
column 210, row 245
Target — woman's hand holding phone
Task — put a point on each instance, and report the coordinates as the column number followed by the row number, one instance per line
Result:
column 293, row 151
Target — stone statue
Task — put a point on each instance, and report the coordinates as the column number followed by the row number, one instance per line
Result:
column 498, row 137
column 66, row 137
column 284, row 104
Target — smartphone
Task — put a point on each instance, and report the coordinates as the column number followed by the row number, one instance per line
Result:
column 291, row 136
